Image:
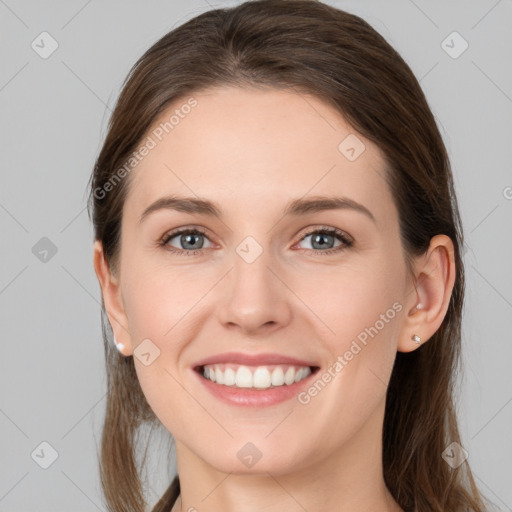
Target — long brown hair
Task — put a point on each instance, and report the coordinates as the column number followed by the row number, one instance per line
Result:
column 306, row 47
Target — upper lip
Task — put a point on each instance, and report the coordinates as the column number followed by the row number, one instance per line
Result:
column 253, row 359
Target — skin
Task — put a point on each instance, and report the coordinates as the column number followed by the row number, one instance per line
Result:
column 243, row 149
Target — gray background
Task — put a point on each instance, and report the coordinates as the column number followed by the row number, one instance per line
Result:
column 54, row 113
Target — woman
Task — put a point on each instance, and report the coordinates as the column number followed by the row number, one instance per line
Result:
column 302, row 351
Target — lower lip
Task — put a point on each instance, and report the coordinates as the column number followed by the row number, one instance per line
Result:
column 251, row 397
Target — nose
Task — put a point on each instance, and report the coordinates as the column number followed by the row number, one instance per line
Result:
column 255, row 296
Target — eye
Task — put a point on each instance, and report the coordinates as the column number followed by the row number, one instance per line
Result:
column 188, row 238
column 324, row 238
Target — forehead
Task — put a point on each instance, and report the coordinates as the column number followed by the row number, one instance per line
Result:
column 249, row 147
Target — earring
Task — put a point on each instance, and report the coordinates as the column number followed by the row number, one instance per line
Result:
column 119, row 346
column 416, row 338
column 419, row 306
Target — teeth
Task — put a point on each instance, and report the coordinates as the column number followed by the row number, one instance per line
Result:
column 289, row 376
column 261, row 377
column 277, row 377
column 243, row 377
column 229, row 377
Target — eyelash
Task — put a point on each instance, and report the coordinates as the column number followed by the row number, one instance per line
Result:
column 324, row 230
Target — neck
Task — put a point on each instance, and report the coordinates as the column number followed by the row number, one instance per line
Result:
column 349, row 479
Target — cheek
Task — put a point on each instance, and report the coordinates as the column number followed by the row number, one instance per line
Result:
column 157, row 301
column 160, row 307
column 362, row 312
column 360, row 302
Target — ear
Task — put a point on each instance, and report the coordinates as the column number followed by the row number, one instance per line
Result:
column 433, row 284
column 112, row 299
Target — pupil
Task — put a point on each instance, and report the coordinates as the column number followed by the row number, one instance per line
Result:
column 188, row 239
column 319, row 237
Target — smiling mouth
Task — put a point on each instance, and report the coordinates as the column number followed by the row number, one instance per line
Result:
column 255, row 377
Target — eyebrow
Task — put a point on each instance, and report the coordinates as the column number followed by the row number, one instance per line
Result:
column 295, row 207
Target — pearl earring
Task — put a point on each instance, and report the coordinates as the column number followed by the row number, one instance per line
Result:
column 119, row 346
column 415, row 337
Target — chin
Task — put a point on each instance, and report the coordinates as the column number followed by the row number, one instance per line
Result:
column 250, row 460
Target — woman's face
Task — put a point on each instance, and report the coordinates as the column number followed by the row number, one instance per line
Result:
column 255, row 281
